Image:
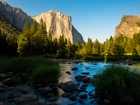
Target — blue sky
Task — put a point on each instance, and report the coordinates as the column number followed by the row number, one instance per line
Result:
column 96, row 19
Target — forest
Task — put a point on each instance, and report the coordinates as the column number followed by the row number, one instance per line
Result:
column 34, row 40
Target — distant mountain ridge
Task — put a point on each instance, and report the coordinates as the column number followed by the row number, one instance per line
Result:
column 56, row 22
column 14, row 15
column 128, row 26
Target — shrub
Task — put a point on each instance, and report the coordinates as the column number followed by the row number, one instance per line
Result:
column 120, row 85
column 40, row 69
column 46, row 74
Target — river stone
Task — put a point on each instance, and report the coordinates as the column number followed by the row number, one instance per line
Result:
column 27, row 99
column 86, row 73
column 106, row 102
column 66, row 94
column 83, row 96
column 2, row 89
column 74, row 68
column 47, row 89
column 8, row 81
column 1, row 84
column 52, row 99
column 73, row 98
column 26, row 90
column 68, row 72
column 69, row 86
column 1, row 103
column 80, row 78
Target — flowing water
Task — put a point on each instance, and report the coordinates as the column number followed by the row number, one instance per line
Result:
column 91, row 67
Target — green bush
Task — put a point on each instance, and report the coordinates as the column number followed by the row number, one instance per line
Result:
column 40, row 69
column 120, row 85
column 46, row 74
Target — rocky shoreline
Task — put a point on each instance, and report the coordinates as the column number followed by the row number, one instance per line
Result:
column 76, row 92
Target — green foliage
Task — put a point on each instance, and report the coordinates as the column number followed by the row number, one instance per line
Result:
column 46, row 74
column 39, row 69
column 117, row 83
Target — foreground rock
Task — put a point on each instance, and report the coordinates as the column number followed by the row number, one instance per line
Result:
column 27, row 100
column 68, row 86
column 85, row 79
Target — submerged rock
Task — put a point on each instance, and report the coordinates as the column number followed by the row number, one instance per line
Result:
column 74, row 68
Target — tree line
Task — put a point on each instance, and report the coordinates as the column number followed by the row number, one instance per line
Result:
column 34, row 40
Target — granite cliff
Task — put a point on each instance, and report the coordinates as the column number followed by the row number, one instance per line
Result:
column 13, row 15
column 56, row 22
column 128, row 26
column 59, row 24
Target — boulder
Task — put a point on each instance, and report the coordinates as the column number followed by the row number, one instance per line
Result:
column 2, row 89
column 74, row 68
column 85, row 73
column 24, row 100
column 26, row 90
column 73, row 98
column 82, row 78
column 66, row 94
column 69, row 86
column 83, row 96
column 1, row 103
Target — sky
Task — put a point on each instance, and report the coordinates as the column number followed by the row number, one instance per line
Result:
column 95, row 19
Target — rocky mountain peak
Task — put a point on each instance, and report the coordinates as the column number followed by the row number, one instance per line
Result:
column 128, row 26
column 56, row 22
column 59, row 24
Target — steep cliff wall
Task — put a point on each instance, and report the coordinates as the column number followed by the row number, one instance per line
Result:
column 59, row 24
column 14, row 15
column 56, row 22
column 128, row 26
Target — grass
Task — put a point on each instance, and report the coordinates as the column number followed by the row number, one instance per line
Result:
column 45, row 74
column 39, row 69
column 120, row 85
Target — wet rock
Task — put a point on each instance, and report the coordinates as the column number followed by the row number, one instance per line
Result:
column 52, row 99
column 68, row 72
column 106, row 102
column 52, row 104
column 73, row 98
column 86, row 79
column 68, row 86
column 81, row 101
column 26, row 90
column 83, row 96
column 2, row 75
column 27, row 99
column 66, row 95
column 2, row 89
column 39, row 85
column 8, row 82
column 10, row 88
column 1, row 103
column 82, row 89
column 47, row 89
column 128, row 100
column 85, row 73
column 1, row 84
column 92, row 95
column 82, row 78
column 50, row 95
column 9, row 74
column 74, row 68
column 84, row 85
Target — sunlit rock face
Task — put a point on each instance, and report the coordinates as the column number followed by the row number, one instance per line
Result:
column 14, row 15
column 128, row 26
column 56, row 22
column 59, row 24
